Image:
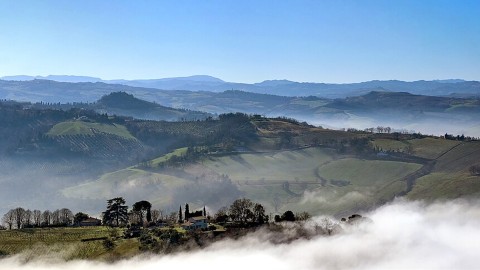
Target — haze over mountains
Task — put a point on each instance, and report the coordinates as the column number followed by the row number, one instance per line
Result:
column 282, row 87
column 369, row 107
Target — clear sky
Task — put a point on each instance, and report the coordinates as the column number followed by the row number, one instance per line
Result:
column 242, row 41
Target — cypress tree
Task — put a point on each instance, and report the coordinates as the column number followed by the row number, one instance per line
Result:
column 187, row 212
column 180, row 219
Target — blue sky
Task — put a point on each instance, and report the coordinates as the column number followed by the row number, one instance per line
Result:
column 242, row 41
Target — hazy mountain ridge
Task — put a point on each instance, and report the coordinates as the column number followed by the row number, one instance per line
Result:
column 427, row 114
column 285, row 87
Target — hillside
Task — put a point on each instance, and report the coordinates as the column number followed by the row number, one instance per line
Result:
column 284, row 87
column 81, row 157
column 370, row 108
column 316, row 172
column 121, row 103
column 316, row 179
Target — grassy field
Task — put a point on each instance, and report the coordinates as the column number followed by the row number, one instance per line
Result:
column 366, row 173
column 125, row 182
column 274, row 166
column 87, row 128
column 178, row 152
column 262, row 176
column 451, row 177
column 66, row 243
column 314, row 176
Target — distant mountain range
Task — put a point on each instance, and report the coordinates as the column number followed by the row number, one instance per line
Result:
column 449, row 87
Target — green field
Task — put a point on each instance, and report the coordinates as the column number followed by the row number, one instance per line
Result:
column 273, row 166
column 88, row 128
column 450, row 177
column 319, row 180
column 178, row 152
column 66, row 243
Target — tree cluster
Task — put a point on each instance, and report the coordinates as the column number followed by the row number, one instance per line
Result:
column 20, row 218
column 242, row 212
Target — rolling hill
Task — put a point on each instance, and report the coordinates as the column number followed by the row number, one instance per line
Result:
column 284, row 87
column 78, row 156
column 400, row 110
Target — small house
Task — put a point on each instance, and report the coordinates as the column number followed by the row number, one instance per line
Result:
column 195, row 223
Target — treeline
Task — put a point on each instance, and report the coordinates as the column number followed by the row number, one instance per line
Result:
column 20, row 218
column 459, row 137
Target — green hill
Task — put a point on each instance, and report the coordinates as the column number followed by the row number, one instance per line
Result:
column 80, row 127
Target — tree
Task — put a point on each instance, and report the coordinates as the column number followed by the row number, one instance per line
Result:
column 326, row 226
column 37, row 218
column 19, row 215
column 116, row 213
column 259, row 214
column 288, row 216
column 79, row 217
column 302, row 216
column 172, row 218
column 56, row 217
column 155, row 215
column 221, row 215
column 46, row 218
column 143, row 208
column 27, row 218
column 9, row 219
column 278, row 218
column 65, row 216
column 240, row 210
column 180, row 219
column 187, row 212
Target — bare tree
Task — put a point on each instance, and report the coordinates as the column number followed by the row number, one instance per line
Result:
column 326, row 226
column 155, row 215
column 37, row 218
column 19, row 215
column 65, row 216
column 302, row 216
column 9, row 219
column 172, row 218
column 55, row 217
column 47, row 218
column 27, row 219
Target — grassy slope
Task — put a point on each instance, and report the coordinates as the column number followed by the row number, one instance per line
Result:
column 309, row 172
column 87, row 128
column 130, row 180
column 65, row 242
column 450, row 177
column 429, row 148
column 274, row 166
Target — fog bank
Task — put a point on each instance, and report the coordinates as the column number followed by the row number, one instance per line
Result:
column 403, row 235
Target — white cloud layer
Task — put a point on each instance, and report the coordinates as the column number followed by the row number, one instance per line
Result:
column 403, row 235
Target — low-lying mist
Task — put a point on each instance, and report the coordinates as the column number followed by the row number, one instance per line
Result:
column 403, row 235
